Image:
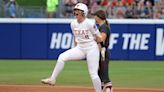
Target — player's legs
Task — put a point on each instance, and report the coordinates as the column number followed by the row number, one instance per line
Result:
column 72, row 54
column 100, row 71
column 103, row 69
column 103, row 73
column 93, row 61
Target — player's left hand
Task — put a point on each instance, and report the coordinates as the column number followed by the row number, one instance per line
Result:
column 103, row 50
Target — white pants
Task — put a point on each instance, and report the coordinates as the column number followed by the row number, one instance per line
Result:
column 81, row 51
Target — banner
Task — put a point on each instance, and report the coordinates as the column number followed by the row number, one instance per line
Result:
column 34, row 41
column 47, row 39
column 10, row 44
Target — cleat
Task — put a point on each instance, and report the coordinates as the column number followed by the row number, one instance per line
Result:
column 48, row 81
column 108, row 87
column 109, row 90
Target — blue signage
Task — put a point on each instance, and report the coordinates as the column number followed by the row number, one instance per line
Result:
column 46, row 40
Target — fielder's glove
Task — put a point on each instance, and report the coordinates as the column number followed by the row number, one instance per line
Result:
column 103, row 50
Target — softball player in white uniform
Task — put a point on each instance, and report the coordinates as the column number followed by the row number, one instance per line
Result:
column 84, row 32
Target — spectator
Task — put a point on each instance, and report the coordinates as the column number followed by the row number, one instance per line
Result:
column 6, row 1
column 159, row 5
column 94, row 7
column 110, row 11
column 87, row 2
column 12, row 8
column 69, row 5
column 144, row 10
column 115, row 3
column 149, row 8
column 151, row 1
column 104, row 5
column 120, row 11
column 51, row 7
column 156, row 14
column 162, row 14
column 127, row 2
column 130, row 12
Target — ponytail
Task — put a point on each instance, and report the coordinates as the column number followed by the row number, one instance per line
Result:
column 106, row 21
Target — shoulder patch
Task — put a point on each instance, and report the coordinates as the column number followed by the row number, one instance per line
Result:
column 95, row 27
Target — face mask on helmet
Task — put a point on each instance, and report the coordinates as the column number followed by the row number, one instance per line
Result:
column 82, row 7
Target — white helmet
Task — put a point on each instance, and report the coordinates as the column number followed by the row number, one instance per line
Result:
column 82, row 7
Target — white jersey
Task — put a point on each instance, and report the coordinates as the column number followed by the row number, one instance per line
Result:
column 84, row 32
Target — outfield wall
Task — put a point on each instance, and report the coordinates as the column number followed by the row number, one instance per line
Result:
column 46, row 38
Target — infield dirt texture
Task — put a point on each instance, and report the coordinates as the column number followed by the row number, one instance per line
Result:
column 39, row 88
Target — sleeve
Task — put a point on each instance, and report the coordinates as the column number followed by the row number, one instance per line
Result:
column 94, row 29
column 104, row 29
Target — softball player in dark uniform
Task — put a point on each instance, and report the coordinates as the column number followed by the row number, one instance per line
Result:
column 100, row 18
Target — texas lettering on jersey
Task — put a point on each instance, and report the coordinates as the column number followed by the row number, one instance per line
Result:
column 85, row 31
column 81, row 33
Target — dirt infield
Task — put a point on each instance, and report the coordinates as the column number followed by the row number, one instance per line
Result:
column 44, row 88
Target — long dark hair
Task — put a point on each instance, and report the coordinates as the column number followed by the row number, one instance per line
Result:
column 106, row 21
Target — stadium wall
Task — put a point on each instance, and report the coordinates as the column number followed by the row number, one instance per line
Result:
column 137, row 39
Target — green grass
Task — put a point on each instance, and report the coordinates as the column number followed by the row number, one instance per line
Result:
column 30, row 72
column 123, row 73
column 138, row 74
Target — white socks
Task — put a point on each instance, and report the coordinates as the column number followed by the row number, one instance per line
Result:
column 58, row 68
column 97, row 84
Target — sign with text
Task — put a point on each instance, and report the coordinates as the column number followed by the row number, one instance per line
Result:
column 128, row 41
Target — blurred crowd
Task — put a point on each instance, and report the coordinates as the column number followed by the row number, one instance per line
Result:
column 120, row 9
column 115, row 9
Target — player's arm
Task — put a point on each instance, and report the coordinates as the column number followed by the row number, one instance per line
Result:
column 72, row 26
column 99, row 37
column 96, row 32
column 103, row 49
column 101, row 40
column 103, row 36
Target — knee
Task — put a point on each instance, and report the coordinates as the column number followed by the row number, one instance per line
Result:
column 61, row 58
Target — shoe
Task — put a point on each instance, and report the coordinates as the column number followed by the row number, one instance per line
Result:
column 48, row 81
column 109, row 90
column 108, row 87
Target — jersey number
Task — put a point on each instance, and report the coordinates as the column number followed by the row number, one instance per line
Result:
column 86, row 36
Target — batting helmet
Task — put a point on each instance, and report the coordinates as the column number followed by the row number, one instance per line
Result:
column 82, row 7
